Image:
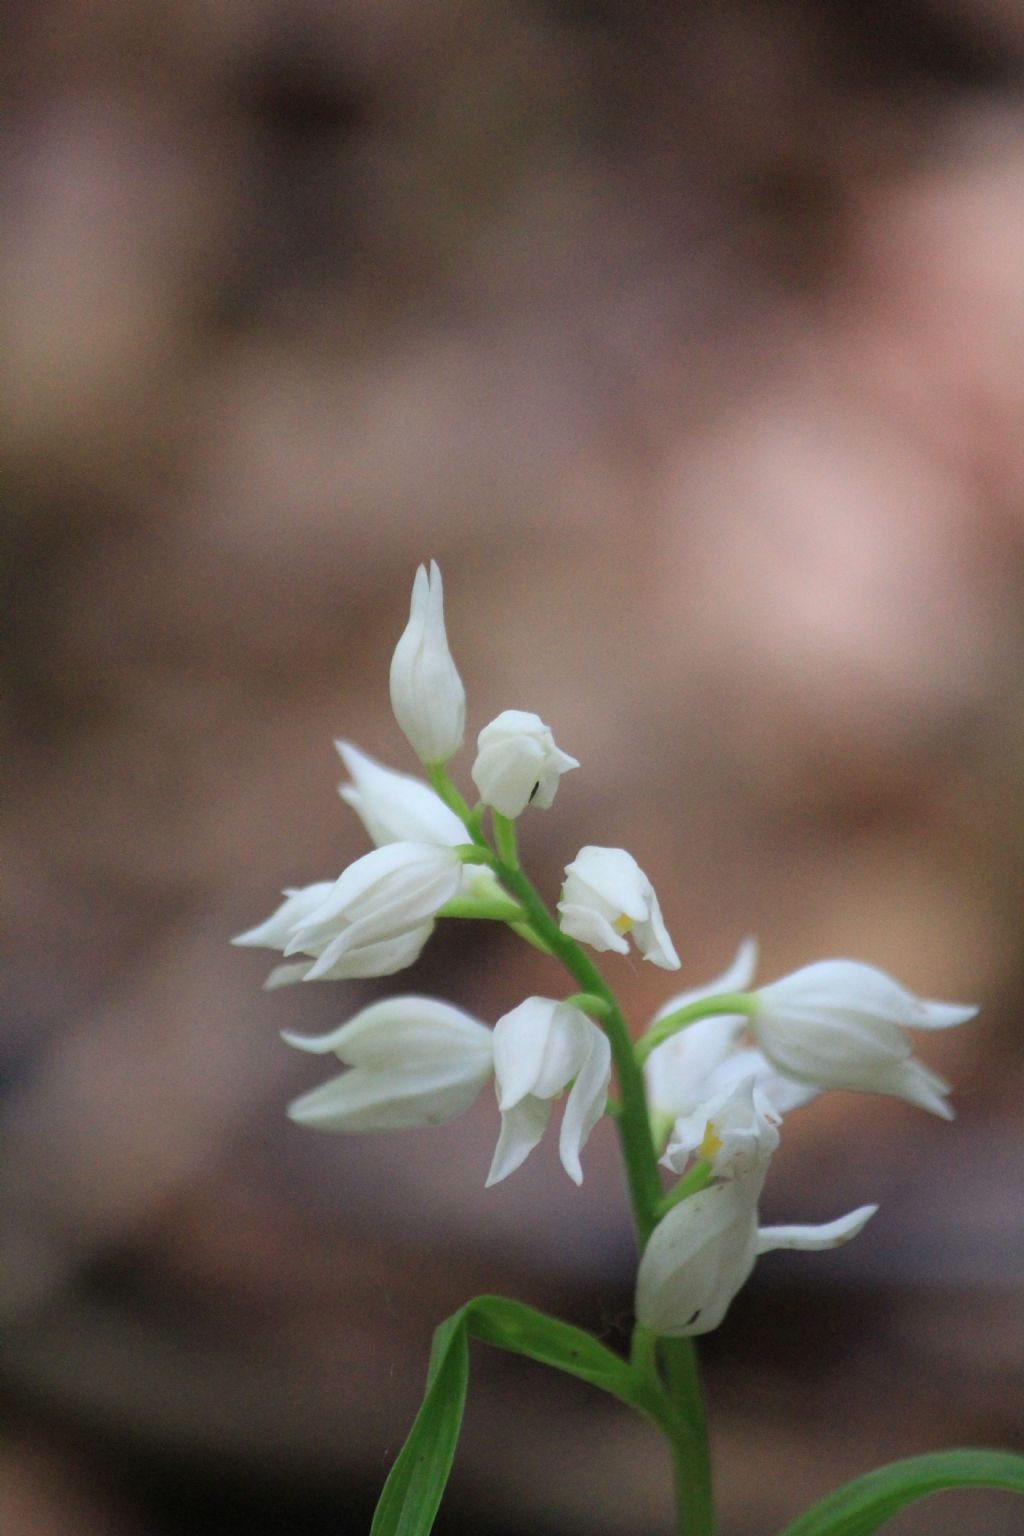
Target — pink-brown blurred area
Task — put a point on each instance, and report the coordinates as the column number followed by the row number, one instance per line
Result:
column 689, row 338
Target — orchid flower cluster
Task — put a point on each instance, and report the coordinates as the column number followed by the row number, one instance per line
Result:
column 699, row 1100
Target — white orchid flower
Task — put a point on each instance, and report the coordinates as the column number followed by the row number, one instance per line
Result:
column 518, row 764
column 427, row 695
column 372, row 921
column 736, row 1132
column 703, row 1251
column 709, row 1058
column 415, row 1061
column 539, row 1049
column 380, row 959
column 839, row 1024
column 606, row 895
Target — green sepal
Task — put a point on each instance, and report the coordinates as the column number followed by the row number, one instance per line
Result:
column 861, row 1506
column 416, row 1483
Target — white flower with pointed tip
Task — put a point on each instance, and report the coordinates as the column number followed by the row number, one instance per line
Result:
column 539, row 1049
column 518, row 764
column 736, row 1132
column 427, row 695
column 276, row 932
column 839, row 1024
column 606, row 895
column 389, row 894
column 703, row 1251
column 414, row 1061
column 708, row 1058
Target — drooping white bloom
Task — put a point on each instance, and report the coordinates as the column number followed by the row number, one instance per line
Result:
column 395, row 807
column 539, row 1049
column 518, row 764
column 839, row 1024
column 277, row 931
column 372, row 921
column 415, row 1061
column 389, row 894
column 708, row 1058
column 607, row 895
column 427, row 695
column 705, row 1248
column 736, row 1132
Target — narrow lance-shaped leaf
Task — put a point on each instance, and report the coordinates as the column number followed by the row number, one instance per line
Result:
column 861, row 1506
column 416, row 1482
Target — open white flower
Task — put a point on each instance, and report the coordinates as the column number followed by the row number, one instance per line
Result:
column 372, row 921
column 415, row 1061
column 708, row 1058
column 736, row 1132
column 277, row 931
column 703, row 1251
column 539, row 1049
column 517, row 763
column 427, row 695
column 839, row 1024
column 606, row 895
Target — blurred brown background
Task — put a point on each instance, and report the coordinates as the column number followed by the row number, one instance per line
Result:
column 689, row 338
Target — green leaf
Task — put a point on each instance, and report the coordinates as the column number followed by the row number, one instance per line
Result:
column 515, row 1326
column 861, row 1506
column 417, row 1480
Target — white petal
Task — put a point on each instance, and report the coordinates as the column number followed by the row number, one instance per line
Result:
column 698, row 1257
column 277, row 929
column 588, row 1098
column 522, row 1127
column 538, row 1048
column 405, row 1033
column 816, row 1239
column 286, row 975
column 364, row 1100
column 654, row 941
column 395, row 807
column 610, row 877
column 590, row 926
column 343, row 961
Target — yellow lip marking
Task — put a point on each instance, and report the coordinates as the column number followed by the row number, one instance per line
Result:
column 711, row 1144
column 622, row 923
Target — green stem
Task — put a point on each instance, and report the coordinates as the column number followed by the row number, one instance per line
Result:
column 703, row 1008
column 505, row 839
column 677, row 1407
column 589, row 1002
column 445, row 790
column 698, row 1178
column 691, row 1463
column 499, row 908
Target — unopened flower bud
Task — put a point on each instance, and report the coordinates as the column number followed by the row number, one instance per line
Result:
column 427, row 695
column 518, row 764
